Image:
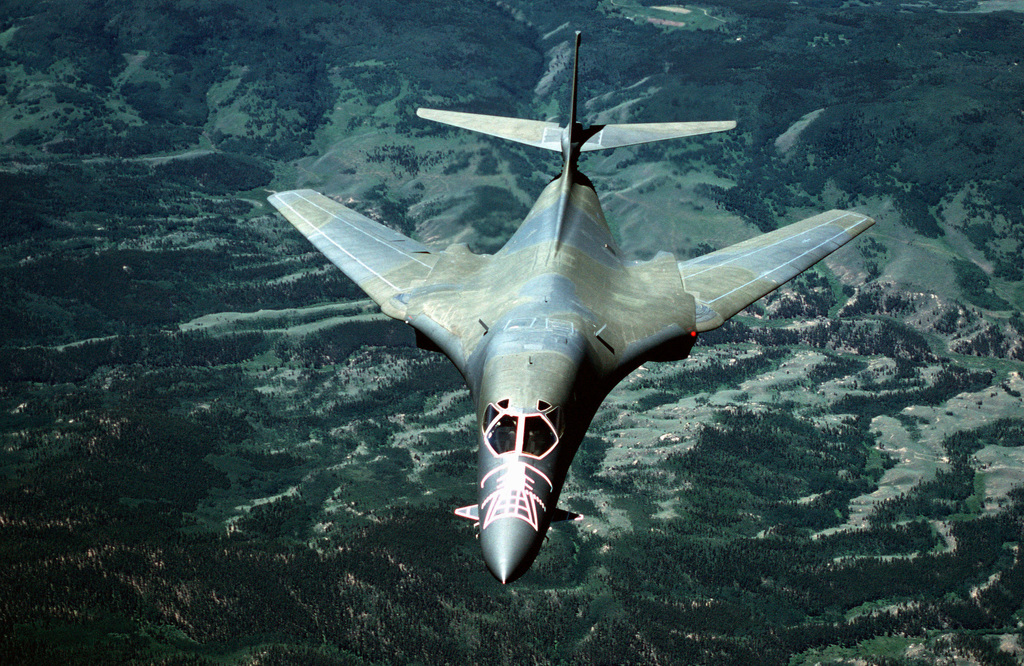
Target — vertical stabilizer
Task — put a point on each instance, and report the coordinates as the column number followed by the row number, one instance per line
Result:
column 575, row 78
column 571, row 139
column 572, row 133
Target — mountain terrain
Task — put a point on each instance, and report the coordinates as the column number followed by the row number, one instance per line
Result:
column 216, row 451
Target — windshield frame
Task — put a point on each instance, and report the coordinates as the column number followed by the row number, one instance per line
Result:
column 497, row 414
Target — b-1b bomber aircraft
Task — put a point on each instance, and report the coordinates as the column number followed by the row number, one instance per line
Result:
column 546, row 327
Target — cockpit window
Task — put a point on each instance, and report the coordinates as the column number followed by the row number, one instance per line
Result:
column 539, row 436
column 509, row 429
column 503, row 435
column 489, row 416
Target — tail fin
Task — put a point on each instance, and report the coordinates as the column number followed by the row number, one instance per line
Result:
column 548, row 135
column 575, row 77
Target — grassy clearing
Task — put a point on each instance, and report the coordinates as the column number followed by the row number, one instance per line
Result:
column 671, row 17
column 886, row 647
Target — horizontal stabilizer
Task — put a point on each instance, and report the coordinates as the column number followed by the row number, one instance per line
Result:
column 616, row 136
column 542, row 134
column 531, row 132
column 472, row 512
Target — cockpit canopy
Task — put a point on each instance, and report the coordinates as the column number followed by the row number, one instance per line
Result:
column 509, row 429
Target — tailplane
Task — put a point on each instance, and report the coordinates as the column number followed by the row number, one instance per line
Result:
column 616, row 136
column 542, row 134
column 531, row 132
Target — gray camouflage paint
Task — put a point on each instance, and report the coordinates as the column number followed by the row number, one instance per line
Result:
column 556, row 317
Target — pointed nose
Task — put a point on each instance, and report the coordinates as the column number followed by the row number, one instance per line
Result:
column 510, row 546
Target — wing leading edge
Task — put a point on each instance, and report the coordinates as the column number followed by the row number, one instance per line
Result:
column 726, row 281
column 383, row 262
column 548, row 135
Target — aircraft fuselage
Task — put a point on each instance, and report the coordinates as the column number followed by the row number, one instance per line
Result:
column 544, row 362
column 542, row 330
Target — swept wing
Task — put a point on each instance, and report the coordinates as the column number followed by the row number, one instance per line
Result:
column 383, row 262
column 726, row 281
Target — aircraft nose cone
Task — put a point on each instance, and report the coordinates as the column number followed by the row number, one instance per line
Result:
column 510, row 546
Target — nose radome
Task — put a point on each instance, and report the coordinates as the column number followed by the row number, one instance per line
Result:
column 510, row 546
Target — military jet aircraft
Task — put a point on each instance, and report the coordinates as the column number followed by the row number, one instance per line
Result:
column 546, row 327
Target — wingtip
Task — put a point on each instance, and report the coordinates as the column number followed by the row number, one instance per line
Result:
column 865, row 220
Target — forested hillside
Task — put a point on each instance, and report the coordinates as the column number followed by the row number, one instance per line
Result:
column 214, row 451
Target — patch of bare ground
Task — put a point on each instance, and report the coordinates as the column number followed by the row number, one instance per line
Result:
column 785, row 141
column 666, row 22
